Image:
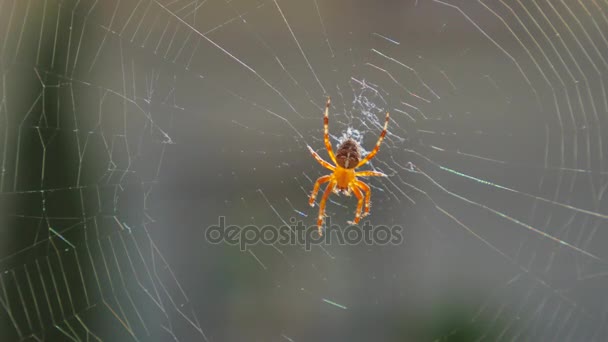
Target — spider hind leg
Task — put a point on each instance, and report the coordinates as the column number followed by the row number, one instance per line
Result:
column 320, row 219
column 315, row 189
column 359, row 196
column 368, row 195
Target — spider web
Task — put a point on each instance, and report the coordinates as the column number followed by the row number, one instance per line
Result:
column 129, row 127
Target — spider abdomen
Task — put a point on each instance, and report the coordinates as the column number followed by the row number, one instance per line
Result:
column 348, row 154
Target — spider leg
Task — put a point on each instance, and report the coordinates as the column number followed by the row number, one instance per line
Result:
column 320, row 160
column 359, row 196
column 326, row 194
column 370, row 174
column 368, row 195
column 377, row 148
column 315, row 189
column 330, row 151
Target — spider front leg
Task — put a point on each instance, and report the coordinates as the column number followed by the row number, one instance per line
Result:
column 357, row 192
column 328, row 190
column 320, row 160
column 315, row 189
column 377, row 148
column 330, row 151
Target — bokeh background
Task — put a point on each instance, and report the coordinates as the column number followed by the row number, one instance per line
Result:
column 129, row 127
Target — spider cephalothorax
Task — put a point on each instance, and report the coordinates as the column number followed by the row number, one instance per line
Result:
column 348, row 154
column 344, row 176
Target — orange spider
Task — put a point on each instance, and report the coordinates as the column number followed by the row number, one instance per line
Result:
column 344, row 177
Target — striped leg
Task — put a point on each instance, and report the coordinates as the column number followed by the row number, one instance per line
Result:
column 320, row 160
column 377, row 148
column 359, row 196
column 368, row 196
column 315, row 189
column 328, row 190
column 370, row 174
column 330, row 151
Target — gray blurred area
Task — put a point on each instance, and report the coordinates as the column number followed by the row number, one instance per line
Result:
column 127, row 128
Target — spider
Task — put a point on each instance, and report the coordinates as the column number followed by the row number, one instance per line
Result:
column 344, row 177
